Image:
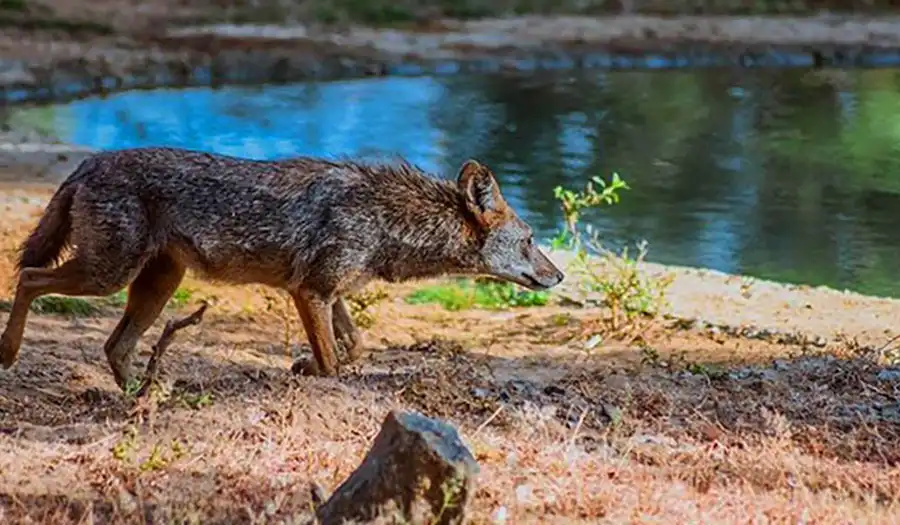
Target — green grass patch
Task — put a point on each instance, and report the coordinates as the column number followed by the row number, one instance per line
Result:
column 181, row 298
column 463, row 294
column 62, row 305
column 81, row 307
column 118, row 299
column 57, row 304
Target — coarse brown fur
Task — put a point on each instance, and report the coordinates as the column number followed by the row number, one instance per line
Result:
column 319, row 229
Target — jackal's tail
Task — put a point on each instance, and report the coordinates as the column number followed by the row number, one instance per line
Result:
column 46, row 242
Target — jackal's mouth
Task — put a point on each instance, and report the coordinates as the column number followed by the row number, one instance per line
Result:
column 531, row 282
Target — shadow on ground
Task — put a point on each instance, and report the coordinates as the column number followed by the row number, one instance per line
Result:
column 845, row 409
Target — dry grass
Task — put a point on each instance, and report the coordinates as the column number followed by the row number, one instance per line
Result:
column 680, row 424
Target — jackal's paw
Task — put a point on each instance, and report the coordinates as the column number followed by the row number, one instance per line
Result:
column 305, row 367
column 354, row 354
column 309, row 367
column 7, row 354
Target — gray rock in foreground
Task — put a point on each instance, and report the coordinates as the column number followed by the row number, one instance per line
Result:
column 417, row 471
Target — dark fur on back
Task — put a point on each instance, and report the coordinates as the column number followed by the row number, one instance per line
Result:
column 301, row 220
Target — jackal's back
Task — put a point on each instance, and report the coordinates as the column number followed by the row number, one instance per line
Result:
column 274, row 222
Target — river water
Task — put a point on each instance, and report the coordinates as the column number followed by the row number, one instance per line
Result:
column 785, row 174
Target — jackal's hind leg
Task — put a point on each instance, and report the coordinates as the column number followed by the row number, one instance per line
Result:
column 73, row 278
column 147, row 296
column 346, row 332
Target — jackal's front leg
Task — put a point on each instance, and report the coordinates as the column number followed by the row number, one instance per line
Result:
column 316, row 315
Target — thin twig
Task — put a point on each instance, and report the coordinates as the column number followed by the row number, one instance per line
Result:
column 164, row 341
column 577, row 428
column 488, row 420
column 882, row 350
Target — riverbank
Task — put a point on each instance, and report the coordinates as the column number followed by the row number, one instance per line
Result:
column 747, row 398
column 166, row 50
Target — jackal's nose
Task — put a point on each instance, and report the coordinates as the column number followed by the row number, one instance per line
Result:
column 558, row 277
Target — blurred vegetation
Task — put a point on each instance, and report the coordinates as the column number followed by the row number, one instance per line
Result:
column 392, row 12
column 31, row 15
column 46, row 15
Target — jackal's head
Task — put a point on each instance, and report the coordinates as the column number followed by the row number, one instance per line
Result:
column 507, row 246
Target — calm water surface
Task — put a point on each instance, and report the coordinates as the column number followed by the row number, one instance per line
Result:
column 782, row 174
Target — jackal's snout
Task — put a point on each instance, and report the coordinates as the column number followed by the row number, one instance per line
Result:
column 531, row 269
column 513, row 255
column 546, row 275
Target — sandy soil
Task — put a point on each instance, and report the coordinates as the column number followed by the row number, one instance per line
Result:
column 748, row 401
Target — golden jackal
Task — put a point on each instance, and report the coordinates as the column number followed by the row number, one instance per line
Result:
column 319, row 229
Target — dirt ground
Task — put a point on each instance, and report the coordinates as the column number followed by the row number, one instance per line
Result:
column 748, row 402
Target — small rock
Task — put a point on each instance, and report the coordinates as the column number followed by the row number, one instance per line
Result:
column 781, row 365
column 518, row 387
column 613, row 412
column 746, row 373
column 127, row 502
column 616, row 382
column 654, row 440
column 740, row 374
column 891, row 413
column 13, row 72
column 553, row 390
column 768, row 375
column 409, row 451
column 684, row 375
column 512, row 460
column 684, row 324
column 889, row 374
column 479, row 393
column 548, row 412
column 523, row 494
column 256, row 417
column 591, row 343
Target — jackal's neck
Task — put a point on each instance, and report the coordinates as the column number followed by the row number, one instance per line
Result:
column 433, row 239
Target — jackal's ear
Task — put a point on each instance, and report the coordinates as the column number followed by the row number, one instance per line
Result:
column 480, row 187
